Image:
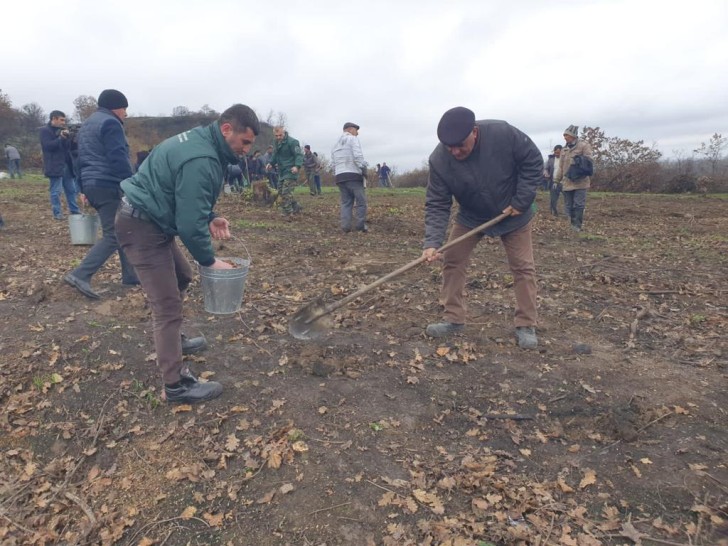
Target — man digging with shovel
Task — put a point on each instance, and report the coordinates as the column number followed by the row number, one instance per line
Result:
column 489, row 167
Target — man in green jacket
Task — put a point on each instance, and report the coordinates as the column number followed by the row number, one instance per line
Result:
column 288, row 157
column 171, row 195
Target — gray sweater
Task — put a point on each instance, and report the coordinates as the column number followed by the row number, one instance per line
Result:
column 505, row 168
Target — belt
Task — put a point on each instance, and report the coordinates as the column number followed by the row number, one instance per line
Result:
column 127, row 209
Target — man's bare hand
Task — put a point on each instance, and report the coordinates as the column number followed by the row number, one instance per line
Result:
column 220, row 264
column 510, row 211
column 220, row 228
column 431, row 255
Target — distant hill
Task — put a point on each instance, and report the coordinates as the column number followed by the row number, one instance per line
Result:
column 144, row 133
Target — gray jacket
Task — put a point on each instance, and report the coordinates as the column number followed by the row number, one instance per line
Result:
column 505, row 168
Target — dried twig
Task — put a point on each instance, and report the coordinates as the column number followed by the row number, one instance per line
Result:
column 15, row 524
column 160, row 522
column 328, row 508
column 513, row 416
column 83, row 506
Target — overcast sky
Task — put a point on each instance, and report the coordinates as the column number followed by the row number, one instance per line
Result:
column 645, row 70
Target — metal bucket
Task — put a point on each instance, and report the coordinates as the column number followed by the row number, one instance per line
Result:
column 84, row 228
column 223, row 289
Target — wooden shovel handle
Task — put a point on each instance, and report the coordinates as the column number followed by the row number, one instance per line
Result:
column 351, row 297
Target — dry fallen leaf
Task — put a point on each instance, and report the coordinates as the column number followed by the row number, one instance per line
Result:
column 188, row 512
column 215, row 520
column 590, row 478
column 232, row 443
column 265, row 499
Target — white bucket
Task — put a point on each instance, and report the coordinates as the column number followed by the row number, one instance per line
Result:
column 84, row 228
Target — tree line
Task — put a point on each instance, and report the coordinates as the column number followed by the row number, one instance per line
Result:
column 620, row 164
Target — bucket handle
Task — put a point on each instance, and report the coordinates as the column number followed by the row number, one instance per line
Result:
column 238, row 239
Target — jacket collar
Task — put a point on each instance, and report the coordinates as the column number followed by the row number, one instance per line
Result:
column 223, row 148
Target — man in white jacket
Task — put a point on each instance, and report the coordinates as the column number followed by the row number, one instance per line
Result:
column 350, row 168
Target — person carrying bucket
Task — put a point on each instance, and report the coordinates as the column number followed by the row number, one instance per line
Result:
column 173, row 195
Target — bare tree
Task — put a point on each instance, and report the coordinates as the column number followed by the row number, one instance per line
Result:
column 85, row 106
column 621, row 164
column 207, row 111
column 8, row 117
column 713, row 151
column 32, row 116
column 282, row 120
column 180, row 111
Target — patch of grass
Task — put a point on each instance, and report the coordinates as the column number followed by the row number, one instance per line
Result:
column 697, row 319
column 94, row 324
column 145, row 393
column 249, row 224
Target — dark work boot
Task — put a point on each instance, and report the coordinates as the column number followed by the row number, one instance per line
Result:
column 186, row 392
column 443, row 329
column 192, row 345
column 578, row 219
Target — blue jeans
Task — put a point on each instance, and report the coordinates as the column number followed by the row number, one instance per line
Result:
column 14, row 167
column 317, row 181
column 106, row 202
column 67, row 184
column 353, row 197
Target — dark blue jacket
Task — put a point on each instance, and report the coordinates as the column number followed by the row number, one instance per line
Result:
column 56, row 151
column 504, row 169
column 103, row 151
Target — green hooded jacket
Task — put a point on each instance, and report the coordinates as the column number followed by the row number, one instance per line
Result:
column 287, row 154
column 179, row 183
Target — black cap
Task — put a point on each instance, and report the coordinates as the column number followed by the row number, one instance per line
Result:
column 307, row 146
column 350, row 124
column 455, row 125
column 112, row 99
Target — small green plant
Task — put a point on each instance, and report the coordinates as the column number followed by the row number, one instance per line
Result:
column 249, row 224
column 94, row 324
column 376, row 427
column 145, row 393
column 697, row 319
column 38, row 382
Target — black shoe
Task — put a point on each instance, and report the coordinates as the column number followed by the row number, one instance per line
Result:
column 186, row 392
column 443, row 329
column 81, row 286
column 192, row 345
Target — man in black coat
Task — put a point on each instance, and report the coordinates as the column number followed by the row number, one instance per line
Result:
column 489, row 167
column 56, row 142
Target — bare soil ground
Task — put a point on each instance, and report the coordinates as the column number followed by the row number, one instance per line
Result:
column 613, row 432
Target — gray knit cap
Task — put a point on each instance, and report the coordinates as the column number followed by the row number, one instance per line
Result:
column 572, row 130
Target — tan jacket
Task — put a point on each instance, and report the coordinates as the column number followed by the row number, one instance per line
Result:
column 568, row 154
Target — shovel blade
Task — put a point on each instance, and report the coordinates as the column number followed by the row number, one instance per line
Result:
column 309, row 322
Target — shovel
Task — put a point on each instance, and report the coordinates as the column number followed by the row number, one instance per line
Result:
column 306, row 323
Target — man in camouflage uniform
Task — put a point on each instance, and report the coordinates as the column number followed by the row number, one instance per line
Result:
column 287, row 156
column 310, row 167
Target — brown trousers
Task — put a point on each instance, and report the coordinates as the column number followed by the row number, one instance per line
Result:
column 165, row 274
column 519, row 252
